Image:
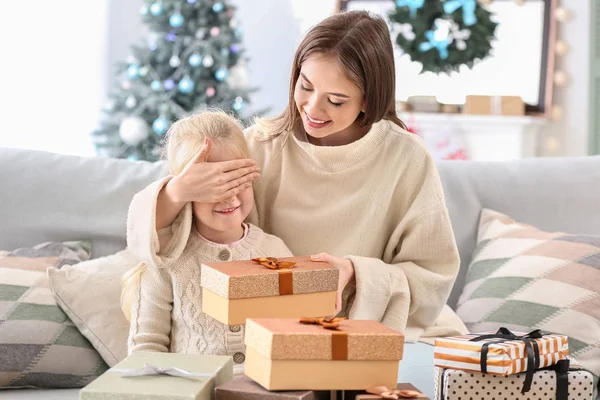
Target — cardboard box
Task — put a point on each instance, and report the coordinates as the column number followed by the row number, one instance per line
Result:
column 214, row 371
column 494, row 105
column 237, row 290
column 285, row 354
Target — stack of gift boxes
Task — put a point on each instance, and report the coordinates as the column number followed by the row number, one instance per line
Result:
column 295, row 349
column 508, row 365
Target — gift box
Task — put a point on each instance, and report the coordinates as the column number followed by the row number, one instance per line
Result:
column 559, row 383
column 494, row 105
column 402, row 391
column 169, row 376
column 322, row 354
column 244, row 388
column 268, row 288
column 500, row 353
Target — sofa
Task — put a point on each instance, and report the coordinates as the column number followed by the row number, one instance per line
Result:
column 51, row 197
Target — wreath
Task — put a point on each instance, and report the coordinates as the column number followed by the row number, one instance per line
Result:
column 443, row 34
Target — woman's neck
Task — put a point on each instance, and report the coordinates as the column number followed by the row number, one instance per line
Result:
column 219, row 237
column 349, row 135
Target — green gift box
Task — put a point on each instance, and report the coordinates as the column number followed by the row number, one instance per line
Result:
column 161, row 376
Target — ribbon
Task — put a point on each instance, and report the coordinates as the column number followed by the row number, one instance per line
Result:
column 154, row 370
column 468, row 7
column 531, row 346
column 339, row 339
column 440, row 45
column 413, row 5
column 385, row 393
column 286, row 281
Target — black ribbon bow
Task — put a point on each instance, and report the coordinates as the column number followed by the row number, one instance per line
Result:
column 531, row 346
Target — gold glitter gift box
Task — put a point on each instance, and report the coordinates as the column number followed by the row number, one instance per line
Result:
column 268, row 288
column 320, row 354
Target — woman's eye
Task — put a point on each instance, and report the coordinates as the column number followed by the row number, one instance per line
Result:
column 304, row 88
column 334, row 104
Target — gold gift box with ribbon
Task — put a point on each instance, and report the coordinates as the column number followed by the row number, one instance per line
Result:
column 153, row 375
column 322, row 354
column 268, row 288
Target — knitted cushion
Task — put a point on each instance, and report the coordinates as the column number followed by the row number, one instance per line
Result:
column 524, row 278
column 39, row 346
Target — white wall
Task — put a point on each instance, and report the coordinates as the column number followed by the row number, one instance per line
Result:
column 570, row 135
column 52, row 73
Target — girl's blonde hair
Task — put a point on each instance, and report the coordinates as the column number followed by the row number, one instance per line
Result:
column 184, row 140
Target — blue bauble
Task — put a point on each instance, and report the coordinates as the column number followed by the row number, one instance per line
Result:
column 176, row 20
column 144, row 10
column 160, row 126
column 133, row 71
column 195, row 60
column 132, row 157
column 225, row 52
column 156, row 9
column 186, row 85
column 221, row 74
column 218, row 7
column 237, row 32
column 238, row 105
column 155, row 85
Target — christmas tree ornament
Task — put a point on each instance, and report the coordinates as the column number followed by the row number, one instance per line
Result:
column 225, row 53
column 131, row 59
column 144, row 71
column 131, row 102
column 200, row 33
column 238, row 77
column 238, row 104
column 133, row 71
column 160, row 126
column 133, row 130
column 174, row 61
column 208, row 61
column 156, row 9
column 144, row 10
column 561, row 79
column 234, row 48
column 186, row 85
column 169, row 84
column 133, row 157
column 126, row 85
column 191, row 1
column 195, row 60
column 561, row 48
column 214, row 31
column 155, row 85
column 176, row 20
column 171, row 37
column 218, row 7
column 210, row 92
column 233, row 23
column 221, row 74
column 237, row 33
column 109, row 105
column 563, row 14
column 412, row 5
column 468, row 10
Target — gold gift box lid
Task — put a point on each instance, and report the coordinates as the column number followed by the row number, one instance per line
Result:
column 248, row 278
column 288, row 339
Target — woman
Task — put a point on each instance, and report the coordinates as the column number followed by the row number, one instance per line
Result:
column 342, row 180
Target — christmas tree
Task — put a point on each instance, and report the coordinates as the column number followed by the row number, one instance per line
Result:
column 192, row 58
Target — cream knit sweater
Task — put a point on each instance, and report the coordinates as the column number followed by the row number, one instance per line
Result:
column 166, row 313
column 378, row 201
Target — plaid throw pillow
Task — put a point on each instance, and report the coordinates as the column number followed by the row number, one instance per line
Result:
column 39, row 346
column 524, row 278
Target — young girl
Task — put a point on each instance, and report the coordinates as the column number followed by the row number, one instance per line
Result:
column 163, row 294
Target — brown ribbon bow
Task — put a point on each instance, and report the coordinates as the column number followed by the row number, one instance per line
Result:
column 385, row 393
column 339, row 339
column 274, row 263
column 286, row 281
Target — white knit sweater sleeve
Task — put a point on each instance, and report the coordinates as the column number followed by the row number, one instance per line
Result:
column 151, row 312
column 154, row 248
column 412, row 281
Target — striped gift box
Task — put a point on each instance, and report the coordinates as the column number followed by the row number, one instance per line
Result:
column 506, row 358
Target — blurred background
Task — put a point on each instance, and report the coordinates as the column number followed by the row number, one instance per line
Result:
column 480, row 80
